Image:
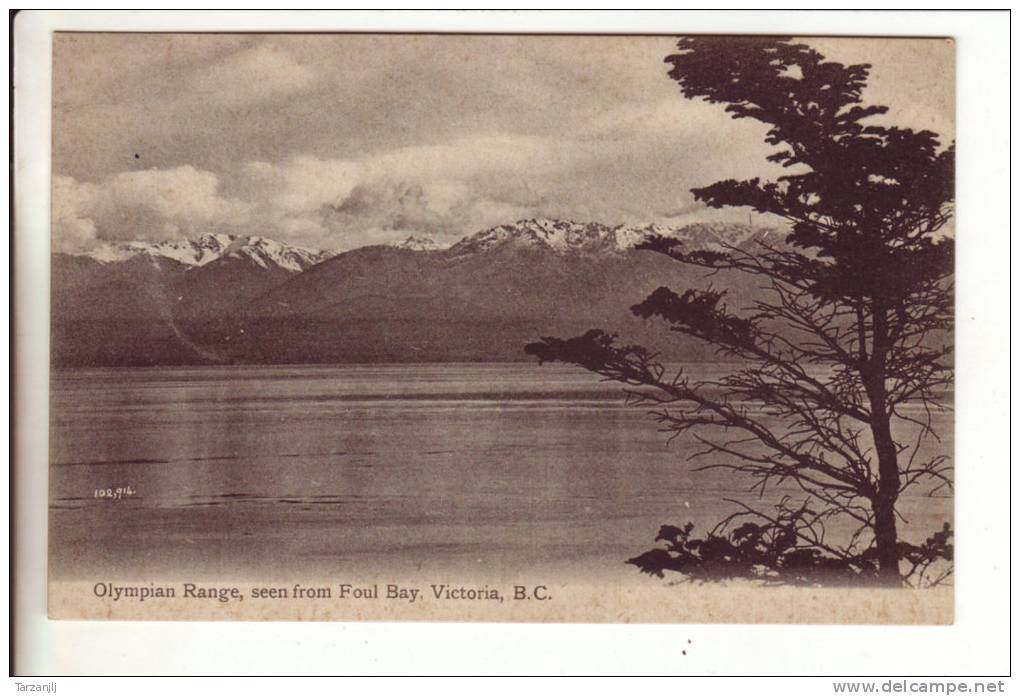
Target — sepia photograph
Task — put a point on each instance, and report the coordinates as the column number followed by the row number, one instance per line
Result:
column 502, row 327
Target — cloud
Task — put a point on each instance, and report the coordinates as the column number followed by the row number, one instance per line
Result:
column 666, row 117
column 442, row 133
column 480, row 154
column 384, row 210
column 621, row 169
column 73, row 228
column 145, row 204
column 289, row 198
column 302, row 183
column 254, row 74
column 183, row 194
column 445, row 190
column 385, row 206
column 689, row 208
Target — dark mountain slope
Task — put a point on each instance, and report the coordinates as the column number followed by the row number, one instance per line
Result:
column 248, row 300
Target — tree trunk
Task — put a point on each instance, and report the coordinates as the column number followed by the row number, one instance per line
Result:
column 884, row 504
column 885, row 526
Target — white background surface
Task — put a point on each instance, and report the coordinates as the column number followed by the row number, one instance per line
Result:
column 977, row 644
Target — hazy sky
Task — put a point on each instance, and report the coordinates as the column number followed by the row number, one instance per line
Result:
column 336, row 141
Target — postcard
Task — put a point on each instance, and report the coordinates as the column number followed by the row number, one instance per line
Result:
column 479, row 327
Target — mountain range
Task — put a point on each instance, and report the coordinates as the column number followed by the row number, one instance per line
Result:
column 213, row 247
column 246, row 299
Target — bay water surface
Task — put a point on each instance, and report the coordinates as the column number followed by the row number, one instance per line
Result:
column 446, row 469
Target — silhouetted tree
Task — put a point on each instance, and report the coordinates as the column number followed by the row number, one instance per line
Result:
column 850, row 334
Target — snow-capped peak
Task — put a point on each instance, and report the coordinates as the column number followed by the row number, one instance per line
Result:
column 268, row 253
column 264, row 252
column 629, row 236
column 559, row 235
column 189, row 252
column 567, row 236
column 417, row 244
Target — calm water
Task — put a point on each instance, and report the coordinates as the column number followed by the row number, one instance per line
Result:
column 306, row 471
